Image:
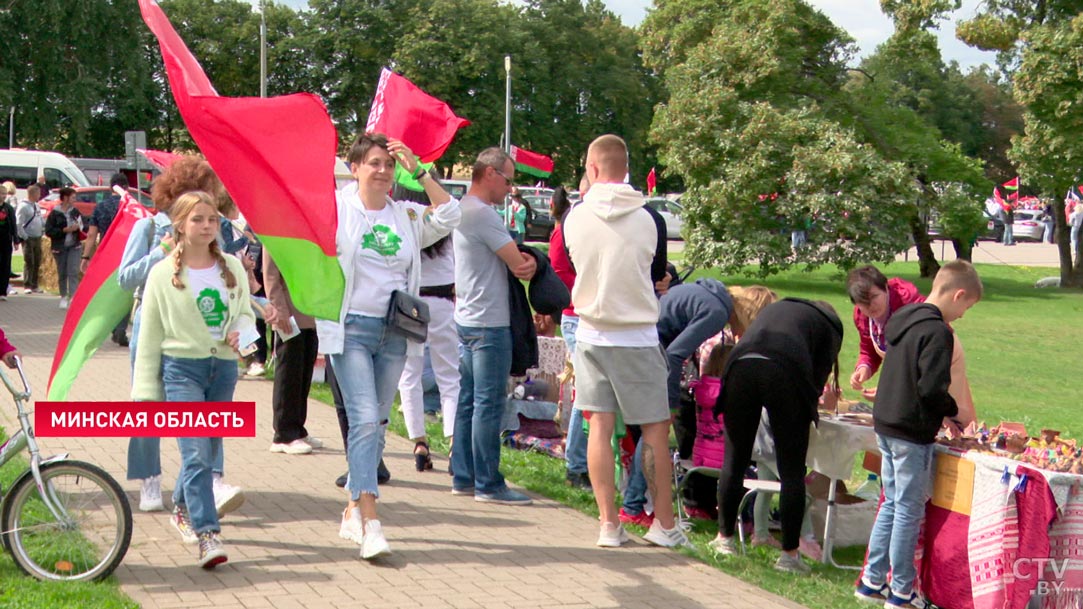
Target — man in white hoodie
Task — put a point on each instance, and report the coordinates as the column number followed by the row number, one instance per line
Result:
column 618, row 248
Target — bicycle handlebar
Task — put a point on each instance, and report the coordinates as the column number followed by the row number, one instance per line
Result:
column 18, row 395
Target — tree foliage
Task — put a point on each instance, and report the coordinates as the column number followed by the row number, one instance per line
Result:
column 1039, row 45
column 748, row 126
column 72, row 89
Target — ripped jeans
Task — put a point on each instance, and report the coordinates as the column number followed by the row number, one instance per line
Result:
column 368, row 372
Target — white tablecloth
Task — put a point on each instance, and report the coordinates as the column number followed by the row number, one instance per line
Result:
column 834, row 445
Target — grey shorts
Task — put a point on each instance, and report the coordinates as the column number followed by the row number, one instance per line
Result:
column 629, row 380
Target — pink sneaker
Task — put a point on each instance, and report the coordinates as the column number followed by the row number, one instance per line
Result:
column 810, row 548
column 643, row 519
column 768, row 541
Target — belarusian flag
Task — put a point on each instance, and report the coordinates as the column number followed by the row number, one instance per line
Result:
column 531, row 163
column 99, row 302
column 404, row 112
column 1012, row 186
column 276, row 157
column 652, row 182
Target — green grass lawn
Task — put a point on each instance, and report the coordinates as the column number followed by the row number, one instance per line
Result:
column 1018, row 340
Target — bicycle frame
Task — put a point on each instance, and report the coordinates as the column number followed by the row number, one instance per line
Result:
column 24, row 439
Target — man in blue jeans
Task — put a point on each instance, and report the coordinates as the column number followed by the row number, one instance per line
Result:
column 912, row 402
column 484, row 252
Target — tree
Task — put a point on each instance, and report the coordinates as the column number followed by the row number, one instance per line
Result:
column 75, row 92
column 1038, row 45
column 748, row 126
column 582, row 77
column 352, row 40
column 902, row 103
column 1050, row 87
column 455, row 52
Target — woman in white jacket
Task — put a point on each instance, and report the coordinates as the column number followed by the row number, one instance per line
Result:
column 379, row 249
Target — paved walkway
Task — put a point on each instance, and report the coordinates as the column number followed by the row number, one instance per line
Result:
column 283, row 543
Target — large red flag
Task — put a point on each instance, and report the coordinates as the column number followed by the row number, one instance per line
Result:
column 652, row 182
column 402, row 111
column 276, row 157
column 99, row 302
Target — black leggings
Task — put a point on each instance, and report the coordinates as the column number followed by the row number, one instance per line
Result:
column 749, row 384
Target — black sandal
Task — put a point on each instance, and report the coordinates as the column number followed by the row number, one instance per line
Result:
column 422, row 461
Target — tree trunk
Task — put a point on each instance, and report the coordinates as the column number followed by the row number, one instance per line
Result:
column 964, row 250
column 1071, row 273
column 926, row 258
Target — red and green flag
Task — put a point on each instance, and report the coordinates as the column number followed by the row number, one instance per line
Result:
column 1012, row 186
column 99, row 302
column 276, row 157
column 652, row 183
column 531, row 163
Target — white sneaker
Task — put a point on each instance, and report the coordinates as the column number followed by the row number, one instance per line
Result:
column 612, row 535
column 667, row 538
column 373, row 542
column 297, row 447
column 27, row 291
column 64, row 302
column 351, row 528
column 150, row 495
column 255, row 369
column 313, row 441
column 724, row 546
column 791, row 564
column 227, row 497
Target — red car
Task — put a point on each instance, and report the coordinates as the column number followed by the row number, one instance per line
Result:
column 86, row 197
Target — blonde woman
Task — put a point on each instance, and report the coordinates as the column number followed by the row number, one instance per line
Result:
column 194, row 302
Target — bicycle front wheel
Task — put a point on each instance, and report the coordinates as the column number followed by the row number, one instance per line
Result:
column 89, row 539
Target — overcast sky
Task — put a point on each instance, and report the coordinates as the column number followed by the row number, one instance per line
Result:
column 861, row 18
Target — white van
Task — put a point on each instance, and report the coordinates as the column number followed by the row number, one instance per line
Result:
column 24, row 166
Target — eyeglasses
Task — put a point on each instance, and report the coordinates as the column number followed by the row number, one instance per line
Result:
column 501, row 174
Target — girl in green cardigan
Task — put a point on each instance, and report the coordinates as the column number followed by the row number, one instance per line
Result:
column 193, row 306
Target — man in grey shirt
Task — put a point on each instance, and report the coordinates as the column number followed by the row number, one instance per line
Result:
column 484, row 252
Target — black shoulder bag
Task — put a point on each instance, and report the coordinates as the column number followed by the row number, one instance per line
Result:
column 407, row 314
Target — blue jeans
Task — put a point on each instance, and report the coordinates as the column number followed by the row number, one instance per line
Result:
column 1009, row 236
column 145, row 454
column 368, row 371
column 905, row 471
column 635, row 496
column 198, row 380
column 575, row 448
column 484, row 366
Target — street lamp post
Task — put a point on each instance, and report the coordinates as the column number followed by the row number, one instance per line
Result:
column 262, row 49
column 11, row 128
column 507, row 104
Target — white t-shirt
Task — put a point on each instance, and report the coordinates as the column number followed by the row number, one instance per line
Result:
column 381, row 265
column 212, row 299
column 438, row 269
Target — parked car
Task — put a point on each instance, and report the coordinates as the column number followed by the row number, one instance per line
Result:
column 456, row 188
column 86, row 197
column 670, row 212
column 994, row 228
column 1028, row 224
column 539, row 222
